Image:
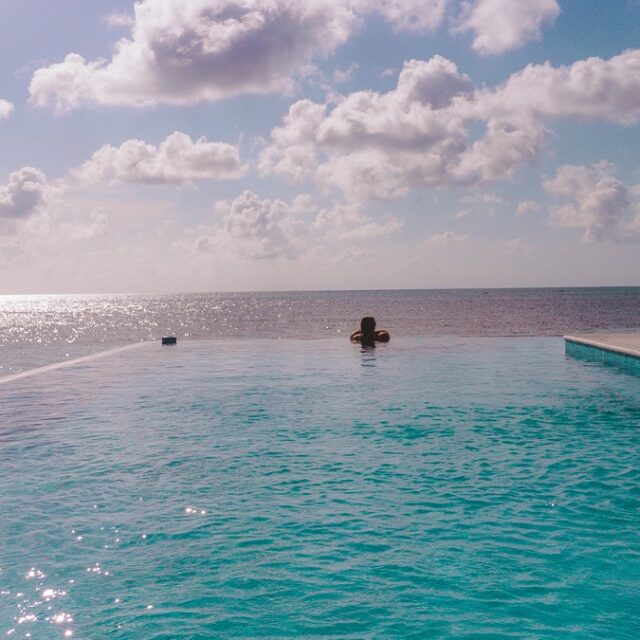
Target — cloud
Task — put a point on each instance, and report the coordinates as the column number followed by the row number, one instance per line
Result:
column 48, row 234
column 37, row 218
column 6, row 109
column 501, row 25
column 346, row 221
column 591, row 88
column 446, row 238
column 293, row 152
column 528, row 207
column 176, row 160
column 412, row 15
column 435, row 130
column 596, row 201
column 258, row 229
column 264, row 229
column 188, row 51
column 119, row 20
column 26, row 192
column 374, row 145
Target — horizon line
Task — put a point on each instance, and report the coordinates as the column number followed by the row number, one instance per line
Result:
column 259, row 291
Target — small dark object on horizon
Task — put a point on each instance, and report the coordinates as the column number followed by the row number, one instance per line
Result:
column 169, row 340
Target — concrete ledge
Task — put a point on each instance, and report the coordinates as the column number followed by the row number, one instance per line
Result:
column 625, row 343
column 621, row 349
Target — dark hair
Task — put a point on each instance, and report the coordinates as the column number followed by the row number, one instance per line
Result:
column 368, row 324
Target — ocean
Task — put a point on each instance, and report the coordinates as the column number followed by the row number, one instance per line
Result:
column 37, row 330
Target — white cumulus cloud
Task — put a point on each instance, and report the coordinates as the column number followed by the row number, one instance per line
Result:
column 373, row 145
column 501, row 25
column 256, row 228
column 6, row 109
column 595, row 200
column 187, row 51
column 24, row 194
column 590, row 88
column 176, row 160
column 436, row 130
column 265, row 229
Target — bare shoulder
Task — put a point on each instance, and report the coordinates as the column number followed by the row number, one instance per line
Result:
column 356, row 336
column 383, row 336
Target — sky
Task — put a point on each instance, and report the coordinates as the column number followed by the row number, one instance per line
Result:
column 233, row 145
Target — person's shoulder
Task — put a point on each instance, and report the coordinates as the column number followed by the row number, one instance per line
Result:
column 383, row 336
column 356, row 336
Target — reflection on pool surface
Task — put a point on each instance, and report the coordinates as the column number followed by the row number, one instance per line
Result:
column 432, row 488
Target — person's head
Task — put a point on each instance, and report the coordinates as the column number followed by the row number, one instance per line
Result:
column 367, row 325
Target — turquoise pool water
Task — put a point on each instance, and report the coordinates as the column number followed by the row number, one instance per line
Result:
column 432, row 488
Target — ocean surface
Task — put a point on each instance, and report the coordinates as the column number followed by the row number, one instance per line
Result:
column 39, row 330
column 435, row 487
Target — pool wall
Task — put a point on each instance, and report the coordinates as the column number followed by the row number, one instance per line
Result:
column 601, row 354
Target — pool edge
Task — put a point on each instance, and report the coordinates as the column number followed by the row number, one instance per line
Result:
column 69, row 363
column 598, row 350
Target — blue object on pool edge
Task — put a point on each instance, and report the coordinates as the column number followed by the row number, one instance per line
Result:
column 169, row 340
column 438, row 488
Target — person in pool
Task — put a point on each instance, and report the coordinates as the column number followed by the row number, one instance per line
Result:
column 367, row 336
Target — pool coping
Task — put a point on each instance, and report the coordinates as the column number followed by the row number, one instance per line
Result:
column 69, row 363
column 611, row 342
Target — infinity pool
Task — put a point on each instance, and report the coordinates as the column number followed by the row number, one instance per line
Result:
column 430, row 488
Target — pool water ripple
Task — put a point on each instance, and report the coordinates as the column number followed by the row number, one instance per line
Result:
column 433, row 488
